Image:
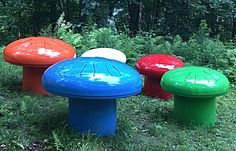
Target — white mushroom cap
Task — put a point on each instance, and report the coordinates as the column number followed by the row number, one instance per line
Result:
column 107, row 53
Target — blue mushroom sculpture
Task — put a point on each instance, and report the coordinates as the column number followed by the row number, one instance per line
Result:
column 92, row 86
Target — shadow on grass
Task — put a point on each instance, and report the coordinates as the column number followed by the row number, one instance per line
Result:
column 123, row 138
column 163, row 114
column 47, row 122
column 11, row 85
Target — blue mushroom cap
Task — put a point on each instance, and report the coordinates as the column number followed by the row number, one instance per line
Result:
column 92, row 78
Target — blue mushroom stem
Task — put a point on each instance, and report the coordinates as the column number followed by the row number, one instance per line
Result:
column 94, row 116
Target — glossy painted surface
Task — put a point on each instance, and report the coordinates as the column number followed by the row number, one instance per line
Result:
column 31, row 80
column 152, row 88
column 195, row 82
column 192, row 111
column 92, row 78
column 153, row 67
column 107, row 53
column 37, row 51
column 157, row 64
column 97, row 117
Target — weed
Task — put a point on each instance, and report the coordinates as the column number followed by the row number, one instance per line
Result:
column 33, row 122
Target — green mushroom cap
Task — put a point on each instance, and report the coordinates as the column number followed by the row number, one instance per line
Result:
column 193, row 81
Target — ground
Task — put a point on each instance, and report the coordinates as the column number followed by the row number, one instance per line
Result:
column 33, row 122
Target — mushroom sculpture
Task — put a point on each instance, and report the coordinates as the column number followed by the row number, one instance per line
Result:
column 107, row 53
column 195, row 90
column 153, row 67
column 36, row 54
column 92, row 85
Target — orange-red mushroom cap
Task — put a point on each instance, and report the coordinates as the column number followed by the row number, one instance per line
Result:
column 38, row 51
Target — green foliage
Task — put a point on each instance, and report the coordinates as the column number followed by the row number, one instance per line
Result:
column 105, row 37
column 203, row 52
column 143, row 123
column 95, row 38
column 57, row 142
column 199, row 50
column 33, row 122
column 13, row 20
column 203, row 31
column 21, row 18
column 63, row 31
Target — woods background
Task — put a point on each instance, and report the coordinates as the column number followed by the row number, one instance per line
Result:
column 21, row 18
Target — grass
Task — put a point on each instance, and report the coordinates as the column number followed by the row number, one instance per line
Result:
column 32, row 122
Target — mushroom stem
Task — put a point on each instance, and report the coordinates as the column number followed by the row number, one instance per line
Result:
column 199, row 111
column 94, row 116
column 32, row 79
column 153, row 88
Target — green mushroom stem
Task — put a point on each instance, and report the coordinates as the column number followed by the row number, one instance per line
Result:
column 195, row 90
column 195, row 111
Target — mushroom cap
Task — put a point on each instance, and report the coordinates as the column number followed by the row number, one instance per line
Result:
column 157, row 64
column 107, row 53
column 92, row 78
column 38, row 51
column 197, row 82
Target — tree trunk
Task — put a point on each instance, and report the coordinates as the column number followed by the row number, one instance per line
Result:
column 135, row 14
column 234, row 26
column 53, row 14
column 82, row 17
column 68, row 10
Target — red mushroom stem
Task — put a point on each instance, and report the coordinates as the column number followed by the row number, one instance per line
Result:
column 153, row 88
column 153, row 67
column 32, row 79
column 36, row 54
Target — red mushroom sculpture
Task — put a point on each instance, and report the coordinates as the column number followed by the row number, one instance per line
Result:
column 36, row 54
column 153, row 67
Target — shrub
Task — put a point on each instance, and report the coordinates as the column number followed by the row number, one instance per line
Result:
column 95, row 38
column 200, row 50
column 63, row 31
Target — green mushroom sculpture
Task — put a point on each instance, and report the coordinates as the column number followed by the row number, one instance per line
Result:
column 195, row 90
